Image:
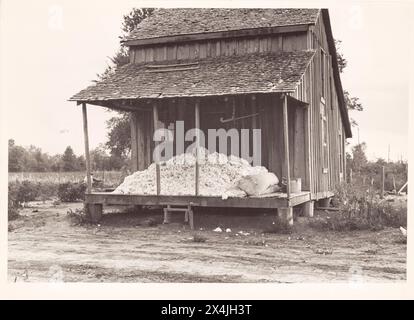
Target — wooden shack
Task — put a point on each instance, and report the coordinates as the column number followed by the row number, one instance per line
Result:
column 269, row 69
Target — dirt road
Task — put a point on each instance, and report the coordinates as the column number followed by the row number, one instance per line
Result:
column 46, row 246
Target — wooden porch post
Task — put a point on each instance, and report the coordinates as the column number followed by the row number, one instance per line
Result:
column 286, row 144
column 157, row 165
column 87, row 157
column 134, row 151
column 197, row 127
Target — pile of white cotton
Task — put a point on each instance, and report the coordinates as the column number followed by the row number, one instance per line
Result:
column 218, row 176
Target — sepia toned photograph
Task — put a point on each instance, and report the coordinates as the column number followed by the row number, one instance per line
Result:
column 205, row 144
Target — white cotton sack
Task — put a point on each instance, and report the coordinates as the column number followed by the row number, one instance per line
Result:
column 258, row 184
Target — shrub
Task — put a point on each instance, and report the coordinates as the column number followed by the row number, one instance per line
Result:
column 70, row 192
column 13, row 208
column 27, row 191
column 12, row 204
column 360, row 208
column 21, row 192
column 47, row 190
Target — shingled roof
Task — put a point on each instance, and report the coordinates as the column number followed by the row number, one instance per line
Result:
column 253, row 73
column 172, row 22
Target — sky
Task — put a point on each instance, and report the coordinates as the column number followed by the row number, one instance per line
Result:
column 50, row 50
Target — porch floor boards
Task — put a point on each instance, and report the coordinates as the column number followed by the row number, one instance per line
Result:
column 274, row 200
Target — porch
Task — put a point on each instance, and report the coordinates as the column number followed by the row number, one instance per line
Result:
column 281, row 203
column 212, row 95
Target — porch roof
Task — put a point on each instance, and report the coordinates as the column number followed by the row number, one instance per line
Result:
column 253, row 73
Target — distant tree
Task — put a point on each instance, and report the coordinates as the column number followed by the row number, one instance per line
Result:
column 119, row 135
column 359, row 158
column 39, row 161
column 130, row 22
column 69, row 160
column 56, row 163
column 342, row 62
column 119, row 132
column 116, row 162
column 100, row 160
column 352, row 103
column 25, row 159
column 28, row 159
column 17, row 157
column 80, row 163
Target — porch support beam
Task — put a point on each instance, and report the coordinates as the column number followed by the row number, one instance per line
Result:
column 134, row 138
column 197, row 127
column 286, row 144
column 157, row 165
column 87, row 156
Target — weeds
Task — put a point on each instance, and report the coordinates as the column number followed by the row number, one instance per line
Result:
column 78, row 217
column 22, row 192
column 70, row 192
column 279, row 226
column 360, row 208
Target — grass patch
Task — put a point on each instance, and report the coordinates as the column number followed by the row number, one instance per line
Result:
column 77, row 217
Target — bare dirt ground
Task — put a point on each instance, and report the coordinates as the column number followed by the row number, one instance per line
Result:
column 45, row 245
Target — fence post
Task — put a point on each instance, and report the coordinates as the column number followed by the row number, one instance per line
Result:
column 350, row 175
column 382, row 182
column 394, row 188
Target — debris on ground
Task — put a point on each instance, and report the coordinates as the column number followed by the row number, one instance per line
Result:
column 403, row 231
column 255, row 242
column 218, row 229
column 199, row 238
column 324, row 251
column 228, row 230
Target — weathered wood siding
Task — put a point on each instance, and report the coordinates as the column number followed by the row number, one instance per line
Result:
column 142, row 143
column 269, row 120
column 326, row 163
column 218, row 47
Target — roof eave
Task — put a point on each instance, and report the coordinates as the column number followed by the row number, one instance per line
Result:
column 167, row 96
column 337, row 78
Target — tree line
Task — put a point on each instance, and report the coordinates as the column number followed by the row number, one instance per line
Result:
column 370, row 172
column 33, row 159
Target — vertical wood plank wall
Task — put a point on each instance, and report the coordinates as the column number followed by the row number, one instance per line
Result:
column 142, row 143
column 310, row 90
column 218, row 47
column 269, row 120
